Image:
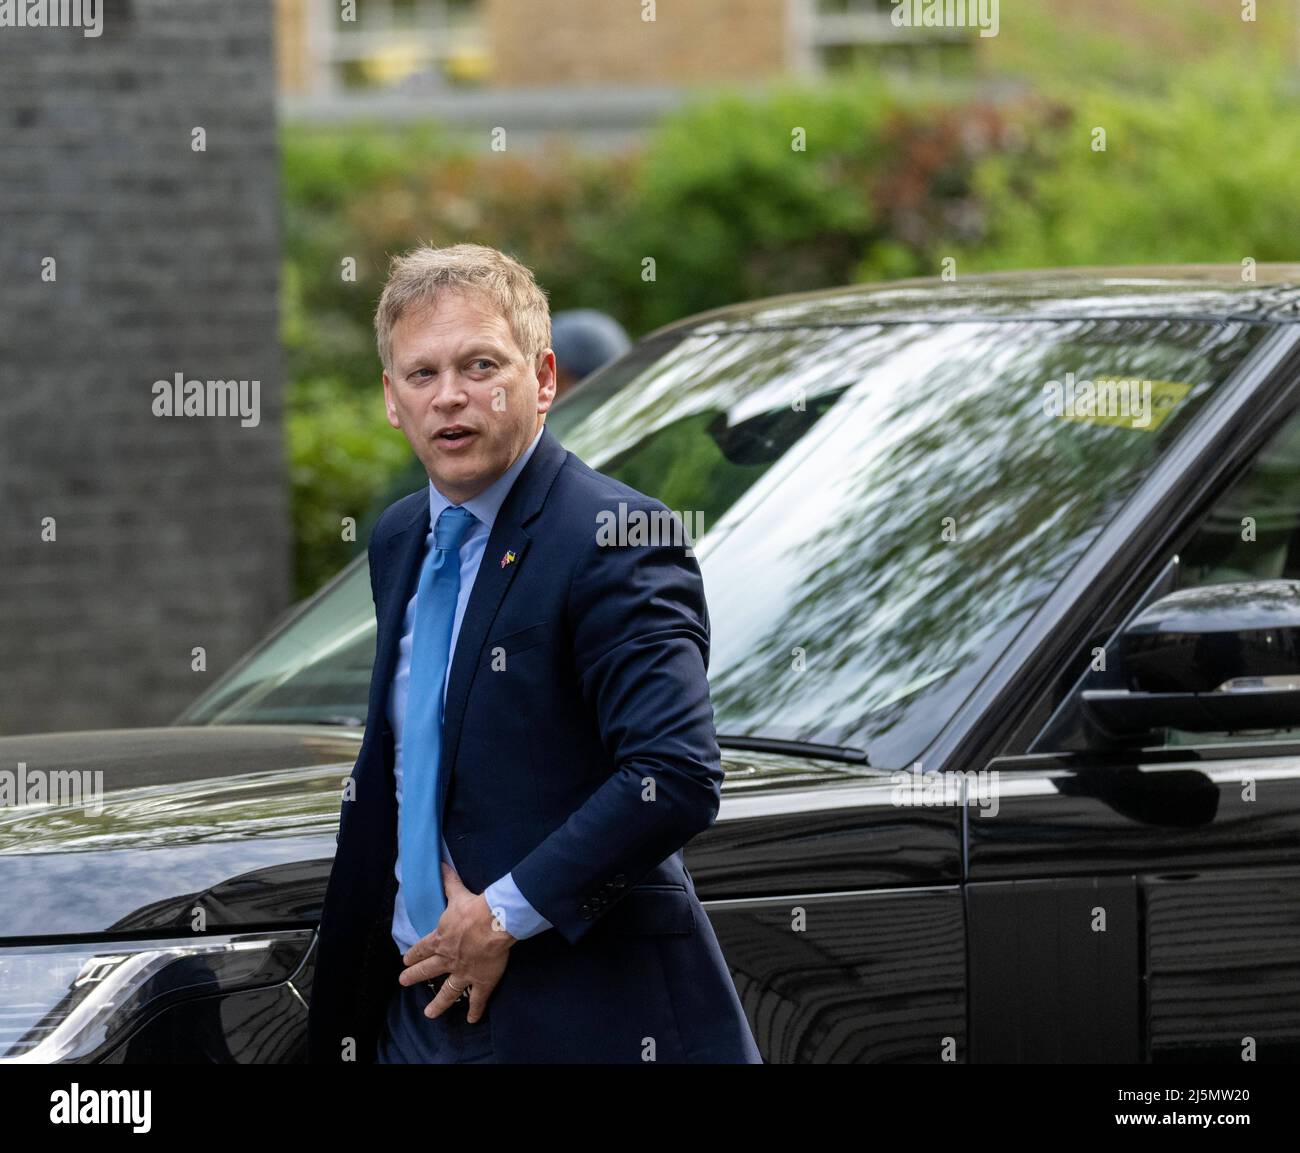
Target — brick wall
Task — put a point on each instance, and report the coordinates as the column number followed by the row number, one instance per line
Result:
column 171, row 533
column 606, row 41
column 292, row 43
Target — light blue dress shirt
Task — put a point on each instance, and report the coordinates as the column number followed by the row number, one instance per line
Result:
column 505, row 900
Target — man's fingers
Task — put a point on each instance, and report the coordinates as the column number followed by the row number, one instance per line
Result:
column 451, row 880
column 478, row 999
column 423, row 970
column 445, row 998
column 423, row 948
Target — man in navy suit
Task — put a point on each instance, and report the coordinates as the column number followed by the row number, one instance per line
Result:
column 509, row 883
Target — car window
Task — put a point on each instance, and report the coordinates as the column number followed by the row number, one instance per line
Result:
column 313, row 670
column 876, row 509
column 1251, row 533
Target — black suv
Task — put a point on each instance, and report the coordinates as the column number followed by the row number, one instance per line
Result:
column 1004, row 581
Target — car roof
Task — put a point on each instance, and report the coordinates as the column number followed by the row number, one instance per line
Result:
column 1183, row 291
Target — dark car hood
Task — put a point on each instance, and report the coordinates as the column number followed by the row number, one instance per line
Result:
column 179, row 785
column 237, row 820
column 231, row 819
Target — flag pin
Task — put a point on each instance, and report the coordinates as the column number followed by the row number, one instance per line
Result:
column 508, row 558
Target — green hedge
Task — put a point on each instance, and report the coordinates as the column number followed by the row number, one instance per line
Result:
column 1205, row 172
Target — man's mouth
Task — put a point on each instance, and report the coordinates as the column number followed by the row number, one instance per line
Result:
column 454, row 435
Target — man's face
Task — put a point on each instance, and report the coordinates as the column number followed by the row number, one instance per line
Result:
column 455, row 365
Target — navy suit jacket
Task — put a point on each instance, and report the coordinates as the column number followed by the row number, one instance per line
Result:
column 583, row 766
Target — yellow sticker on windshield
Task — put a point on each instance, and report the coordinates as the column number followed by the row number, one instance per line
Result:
column 1120, row 401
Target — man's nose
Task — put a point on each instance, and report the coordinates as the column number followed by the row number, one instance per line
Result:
column 448, row 390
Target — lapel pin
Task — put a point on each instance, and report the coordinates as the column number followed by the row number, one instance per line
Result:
column 508, row 558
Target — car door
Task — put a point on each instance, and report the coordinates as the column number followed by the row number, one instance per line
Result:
column 1143, row 904
column 862, row 958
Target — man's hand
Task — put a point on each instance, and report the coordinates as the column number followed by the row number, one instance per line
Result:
column 469, row 943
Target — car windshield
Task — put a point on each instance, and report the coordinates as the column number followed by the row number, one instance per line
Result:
column 876, row 509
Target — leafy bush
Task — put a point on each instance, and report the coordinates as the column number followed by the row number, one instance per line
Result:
column 1205, row 172
column 342, row 454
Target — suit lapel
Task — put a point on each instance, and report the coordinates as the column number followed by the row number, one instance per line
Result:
column 522, row 504
column 401, row 556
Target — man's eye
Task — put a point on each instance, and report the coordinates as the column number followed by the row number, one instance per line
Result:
column 486, row 364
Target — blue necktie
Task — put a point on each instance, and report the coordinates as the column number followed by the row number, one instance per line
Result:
column 435, row 612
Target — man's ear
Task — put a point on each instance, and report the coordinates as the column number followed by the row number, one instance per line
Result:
column 546, row 380
column 388, row 402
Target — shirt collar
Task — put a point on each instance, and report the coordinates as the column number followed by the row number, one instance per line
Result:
column 488, row 503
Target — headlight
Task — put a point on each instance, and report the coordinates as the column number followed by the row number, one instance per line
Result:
column 74, row 1002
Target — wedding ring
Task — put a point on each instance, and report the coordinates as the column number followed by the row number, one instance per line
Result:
column 436, row 983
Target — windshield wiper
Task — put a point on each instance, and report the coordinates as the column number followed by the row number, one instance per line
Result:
column 795, row 748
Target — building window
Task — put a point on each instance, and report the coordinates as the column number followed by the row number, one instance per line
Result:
column 845, row 34
column 402, row 44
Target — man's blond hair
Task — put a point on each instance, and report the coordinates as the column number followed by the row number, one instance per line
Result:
column 417, row 278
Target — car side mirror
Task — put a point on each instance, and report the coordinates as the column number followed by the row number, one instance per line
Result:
column 1219, row 658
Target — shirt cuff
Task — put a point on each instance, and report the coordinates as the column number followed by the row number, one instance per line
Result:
column 512, row 909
